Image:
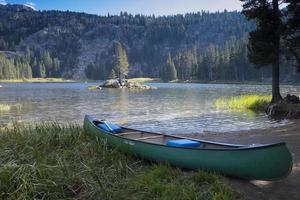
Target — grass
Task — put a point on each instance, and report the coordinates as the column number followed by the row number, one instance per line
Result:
column 52, row 161
column 92, row 87
column 251, row 102
column 5, row 107
column 164, row 182
column 37, row 80
column 143, row 80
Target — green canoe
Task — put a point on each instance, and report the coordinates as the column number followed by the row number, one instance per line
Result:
column 260, row 162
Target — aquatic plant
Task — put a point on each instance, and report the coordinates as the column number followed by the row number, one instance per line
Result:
column 5, row 107
column 251, row 102
column 92, row 87
column 52, row 161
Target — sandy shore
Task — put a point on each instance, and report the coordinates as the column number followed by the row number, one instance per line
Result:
column 288, row 188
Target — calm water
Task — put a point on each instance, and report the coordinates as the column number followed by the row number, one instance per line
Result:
column 172, row 108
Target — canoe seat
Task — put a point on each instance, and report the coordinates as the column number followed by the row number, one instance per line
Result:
column 183, row 143
column 112, row 128
column 149, row 137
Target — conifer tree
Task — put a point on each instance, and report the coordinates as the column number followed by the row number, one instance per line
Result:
column 112, row 74
column 292, row 34
column 42, row 70
column 121, row 62
column 169, row 71
column 48, row 64
column 264, row 41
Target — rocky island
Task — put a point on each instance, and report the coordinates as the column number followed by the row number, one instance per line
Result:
column 116, row 83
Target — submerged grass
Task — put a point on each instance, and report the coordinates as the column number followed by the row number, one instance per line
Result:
column 251, row 102
column 52, row 161
column 92, row 87
column 5, row 107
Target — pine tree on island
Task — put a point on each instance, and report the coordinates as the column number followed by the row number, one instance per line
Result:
column 121, row 62
column 112, row 74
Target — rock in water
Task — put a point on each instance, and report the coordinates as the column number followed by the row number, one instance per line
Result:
column 114, row 83
column 111, row 83
column 292, row 99
column 288, row 108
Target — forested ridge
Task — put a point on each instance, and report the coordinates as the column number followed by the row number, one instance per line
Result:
column 196, row 46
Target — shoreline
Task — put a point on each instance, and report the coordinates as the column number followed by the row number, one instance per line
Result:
column 265, row 189
column 54, row 161
column 39, row 80
column 140, row 80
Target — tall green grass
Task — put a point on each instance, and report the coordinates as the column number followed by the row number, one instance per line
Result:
column 164, row 182
column 251, row 102
column 52, row 161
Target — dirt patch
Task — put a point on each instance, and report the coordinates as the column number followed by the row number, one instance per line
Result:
column 287, row 188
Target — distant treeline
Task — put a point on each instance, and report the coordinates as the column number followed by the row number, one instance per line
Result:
column 227, row 63
column 200, row 46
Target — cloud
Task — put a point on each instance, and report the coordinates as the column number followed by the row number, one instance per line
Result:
column 30, row 5
column 3, row 2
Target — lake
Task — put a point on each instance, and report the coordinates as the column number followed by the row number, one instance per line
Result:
column 172, row 108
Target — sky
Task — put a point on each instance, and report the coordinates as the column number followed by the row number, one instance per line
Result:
column 147, row 7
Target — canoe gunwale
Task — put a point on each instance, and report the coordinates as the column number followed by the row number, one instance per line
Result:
column 229, row 147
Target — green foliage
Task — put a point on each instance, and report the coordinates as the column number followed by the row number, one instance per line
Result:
column 164, row 182
column 251, row 102
column 58, row 162
column 204, row 46
column 52, row 161
column 121, row 62
column 14, row 68
column 92, row 87
column 263, row 41
column 145, row 38
column 292, row 36
column 169, row 72
column 112, row 74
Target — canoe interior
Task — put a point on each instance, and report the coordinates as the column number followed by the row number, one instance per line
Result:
column 161, row 139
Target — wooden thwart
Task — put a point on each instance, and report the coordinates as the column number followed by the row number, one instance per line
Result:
column 150, row 137
column 128, row 133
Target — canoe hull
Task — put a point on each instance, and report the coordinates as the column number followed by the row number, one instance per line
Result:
column 271, row 162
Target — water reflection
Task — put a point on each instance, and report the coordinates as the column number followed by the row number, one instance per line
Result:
column 173, row 108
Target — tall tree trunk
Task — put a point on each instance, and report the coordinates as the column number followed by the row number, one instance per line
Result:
column 275, row 66
column 275, row 83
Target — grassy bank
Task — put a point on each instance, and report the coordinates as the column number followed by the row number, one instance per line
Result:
column 251, row 102
column 51, row 161
column 37, row 80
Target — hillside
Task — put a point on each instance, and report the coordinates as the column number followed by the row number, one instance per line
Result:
column 203, row 45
